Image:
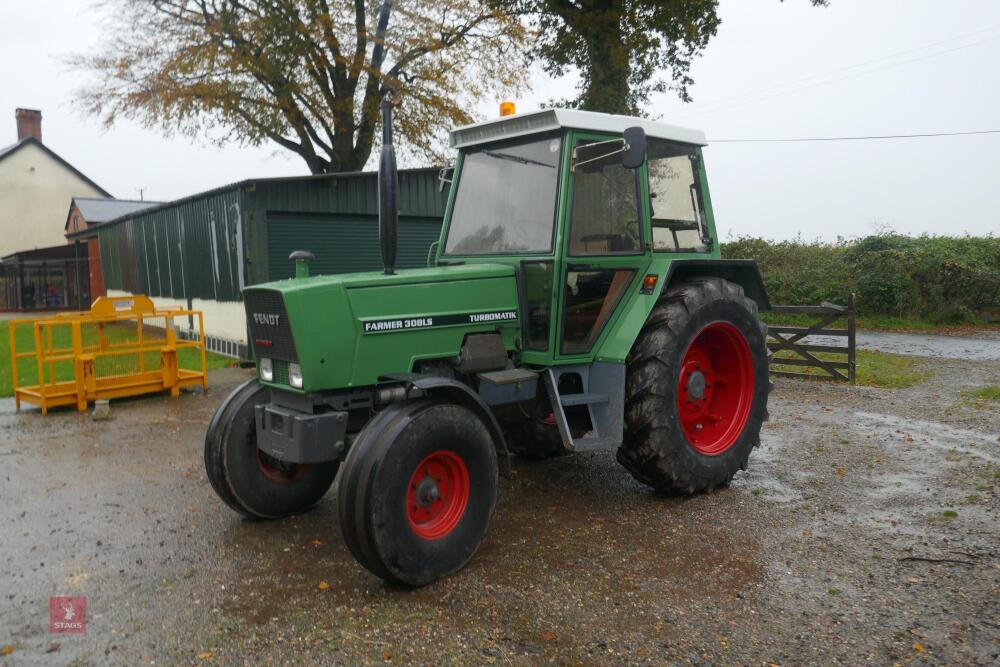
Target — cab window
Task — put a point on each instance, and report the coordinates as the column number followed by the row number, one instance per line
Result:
column 676, row 202
column 605, row 219
column 506, row 199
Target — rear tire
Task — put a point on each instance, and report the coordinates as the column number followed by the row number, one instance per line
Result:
column 249, row 481
column 696, row 388
column 418, row 491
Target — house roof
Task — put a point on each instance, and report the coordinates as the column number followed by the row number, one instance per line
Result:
column 547, row 120
column 98, row 210
column 13, row 148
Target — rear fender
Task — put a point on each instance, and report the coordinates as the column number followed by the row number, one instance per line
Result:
column 743, row 272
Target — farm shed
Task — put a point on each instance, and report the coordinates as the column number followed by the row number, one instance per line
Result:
column 201, row 251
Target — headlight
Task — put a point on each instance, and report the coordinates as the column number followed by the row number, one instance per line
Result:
column 266, row 369
column 295, row 375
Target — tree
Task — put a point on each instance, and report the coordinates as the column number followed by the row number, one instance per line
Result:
column 620, row 47
column 305, row 74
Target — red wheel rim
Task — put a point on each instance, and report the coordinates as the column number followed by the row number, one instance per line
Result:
column 437, row 494
column 715, row 389
column 280, row 471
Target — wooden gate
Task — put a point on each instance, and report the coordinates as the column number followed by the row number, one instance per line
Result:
column 792, row 355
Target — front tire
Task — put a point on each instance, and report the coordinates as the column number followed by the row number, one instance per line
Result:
column 418, row 491
column 696, row 388
column 248, row 480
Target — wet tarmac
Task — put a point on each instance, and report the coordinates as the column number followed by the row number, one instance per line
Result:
column 865, row 531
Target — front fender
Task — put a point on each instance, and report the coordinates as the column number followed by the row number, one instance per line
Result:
column 461, row 393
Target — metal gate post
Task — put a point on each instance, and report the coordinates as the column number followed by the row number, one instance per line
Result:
column 168, row 359
column 40, row 367
column 81, row 387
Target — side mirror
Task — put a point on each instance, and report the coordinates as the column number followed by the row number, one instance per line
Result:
column 629, row 152
column 635, row 148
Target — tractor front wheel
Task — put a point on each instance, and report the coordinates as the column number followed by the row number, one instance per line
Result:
column 248, row 480
column 696, row 388
column 418, row 490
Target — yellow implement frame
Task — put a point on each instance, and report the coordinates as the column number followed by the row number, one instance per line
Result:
column 124, row 346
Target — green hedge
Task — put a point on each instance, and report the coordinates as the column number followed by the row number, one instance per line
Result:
column 937, row 278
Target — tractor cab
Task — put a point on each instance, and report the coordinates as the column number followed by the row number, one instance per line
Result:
column 588, row 208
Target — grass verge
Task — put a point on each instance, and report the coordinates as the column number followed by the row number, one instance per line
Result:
column 873, row 369
column 28, row 375
column 988, row 393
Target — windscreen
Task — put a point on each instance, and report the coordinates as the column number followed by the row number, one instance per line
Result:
column 506, row 200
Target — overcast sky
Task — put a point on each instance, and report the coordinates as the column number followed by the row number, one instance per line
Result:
column 859, row 67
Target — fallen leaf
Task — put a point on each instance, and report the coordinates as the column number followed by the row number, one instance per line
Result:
column 914, row 580
column 548, row 636
column 205, row 655
column 387, row 656
column 323, row 585
column 841, row 472
column 918, row 647
column 6, row 650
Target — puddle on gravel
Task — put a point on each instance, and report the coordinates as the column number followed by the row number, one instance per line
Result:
column 933, row 434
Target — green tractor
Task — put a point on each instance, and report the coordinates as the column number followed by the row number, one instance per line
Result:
column 576, row 301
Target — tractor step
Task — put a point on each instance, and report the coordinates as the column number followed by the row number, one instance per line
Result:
column 606, row 410
column 508, row 386
column 582, row 399
column 509, row 376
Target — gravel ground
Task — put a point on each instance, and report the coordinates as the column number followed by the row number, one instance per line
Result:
column 984, row 346
column 808, row 558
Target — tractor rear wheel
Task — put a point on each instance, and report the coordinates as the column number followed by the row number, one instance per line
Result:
column 418, row 491
column 696, row 388
column 248, row 480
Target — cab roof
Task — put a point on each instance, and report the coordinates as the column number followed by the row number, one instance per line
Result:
column 546, row 120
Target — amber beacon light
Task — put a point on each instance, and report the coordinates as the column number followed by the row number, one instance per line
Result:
column 507, row 109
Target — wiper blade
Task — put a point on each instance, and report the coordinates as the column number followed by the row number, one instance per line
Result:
column 517, row 158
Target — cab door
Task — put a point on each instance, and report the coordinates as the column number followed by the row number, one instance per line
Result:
column 605, row 251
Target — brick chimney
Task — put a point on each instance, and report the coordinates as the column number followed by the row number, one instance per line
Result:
column 29, row 123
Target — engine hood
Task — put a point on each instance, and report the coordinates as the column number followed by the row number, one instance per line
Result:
column 349, row 330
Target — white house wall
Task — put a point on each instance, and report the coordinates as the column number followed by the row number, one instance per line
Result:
column 35, row 192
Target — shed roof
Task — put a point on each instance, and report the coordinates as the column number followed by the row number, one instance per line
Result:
column 96, row 210
column 554, row 119
column 250, row 183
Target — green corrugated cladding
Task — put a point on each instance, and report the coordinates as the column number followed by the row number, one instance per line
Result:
column 183, row 250
column 193, row 248
column 344, row 243
column 336, row 218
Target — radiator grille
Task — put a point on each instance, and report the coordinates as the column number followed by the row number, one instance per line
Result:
column 280, row 371
column 270, row 333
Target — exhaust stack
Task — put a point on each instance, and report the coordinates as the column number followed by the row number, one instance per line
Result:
column 388, row 177
column 388, row 192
